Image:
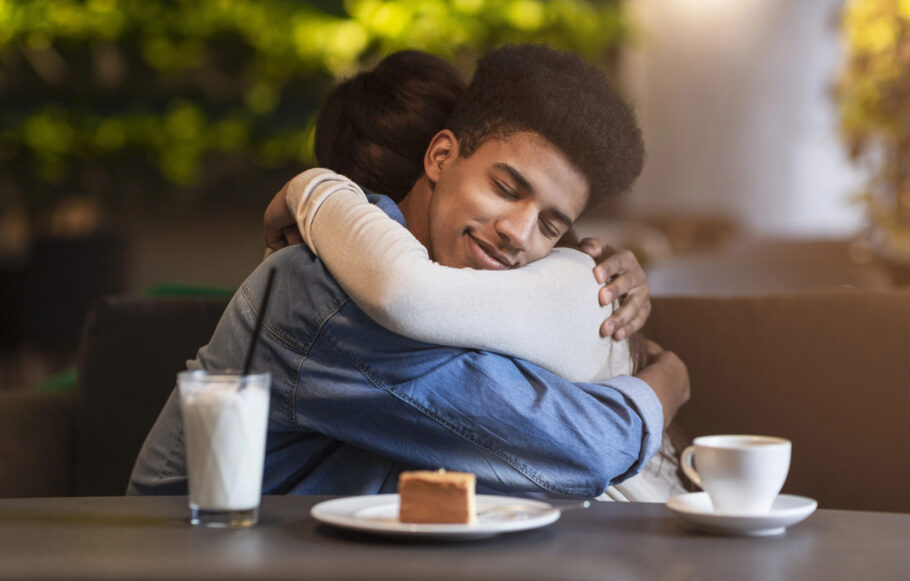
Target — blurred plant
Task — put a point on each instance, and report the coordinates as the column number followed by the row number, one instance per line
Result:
column 119, row 99
column 874, row 98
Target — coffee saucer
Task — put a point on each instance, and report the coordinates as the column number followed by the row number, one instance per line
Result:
column 787, row 510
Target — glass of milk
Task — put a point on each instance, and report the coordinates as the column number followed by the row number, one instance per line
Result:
column 225, row 417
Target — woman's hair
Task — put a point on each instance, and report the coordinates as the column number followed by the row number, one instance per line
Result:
column 374, row 128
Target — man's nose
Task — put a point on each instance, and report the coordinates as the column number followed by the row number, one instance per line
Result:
column 516, row 227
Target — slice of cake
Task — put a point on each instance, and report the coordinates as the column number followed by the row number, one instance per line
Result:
column 437, row 497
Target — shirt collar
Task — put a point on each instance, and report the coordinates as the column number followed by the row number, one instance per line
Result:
column 387, row 205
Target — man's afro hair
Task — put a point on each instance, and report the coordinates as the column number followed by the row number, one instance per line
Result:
column 562, row 98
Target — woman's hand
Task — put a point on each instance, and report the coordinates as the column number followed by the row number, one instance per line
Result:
column 668, row 377
column 627, row 282
column 280, row 226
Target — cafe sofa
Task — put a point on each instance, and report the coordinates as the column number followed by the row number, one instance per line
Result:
column 829, row 370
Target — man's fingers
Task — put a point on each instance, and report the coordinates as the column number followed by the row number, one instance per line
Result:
column 635, row 325
column 617, row 325
column 606, row 250
column 593, row 247
column 615, row 264
column 628, row 319
column 627, row 281
column 616, row 322
column 616, row 289
column 625, row 284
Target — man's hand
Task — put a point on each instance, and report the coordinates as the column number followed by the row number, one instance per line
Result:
column 627, row 282
column 280, row 226
column 667, row 375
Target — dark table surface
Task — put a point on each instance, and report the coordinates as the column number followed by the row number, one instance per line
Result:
column 150, row 538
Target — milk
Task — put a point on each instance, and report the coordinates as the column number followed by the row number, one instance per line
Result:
column 224, row 431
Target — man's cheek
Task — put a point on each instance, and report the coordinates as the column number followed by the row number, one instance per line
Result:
column 540, row 250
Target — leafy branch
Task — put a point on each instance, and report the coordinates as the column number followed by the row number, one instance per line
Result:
column 106, row 97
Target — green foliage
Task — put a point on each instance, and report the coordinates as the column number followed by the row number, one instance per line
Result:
column 874, row 98
column 113, row 97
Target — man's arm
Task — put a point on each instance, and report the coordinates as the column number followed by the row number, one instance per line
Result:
column 517, row 426
column 668, row 378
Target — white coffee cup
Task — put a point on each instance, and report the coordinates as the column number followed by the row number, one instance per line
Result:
column 741, row 474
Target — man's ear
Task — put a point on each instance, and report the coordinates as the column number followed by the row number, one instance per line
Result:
column 443, row 147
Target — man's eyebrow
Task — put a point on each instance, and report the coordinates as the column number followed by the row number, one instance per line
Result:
column 522, row 181
column 562, row 218
column 524, row 184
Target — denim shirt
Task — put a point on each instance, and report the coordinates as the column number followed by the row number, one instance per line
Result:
column 353, row 404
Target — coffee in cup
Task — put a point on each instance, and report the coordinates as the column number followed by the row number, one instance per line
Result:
column 741, row 474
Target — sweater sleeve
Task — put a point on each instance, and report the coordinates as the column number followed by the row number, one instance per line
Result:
column 546, row 312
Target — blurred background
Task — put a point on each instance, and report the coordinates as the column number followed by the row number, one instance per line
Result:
column 140, row 140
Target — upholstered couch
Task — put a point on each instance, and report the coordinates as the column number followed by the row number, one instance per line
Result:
column 830, row 371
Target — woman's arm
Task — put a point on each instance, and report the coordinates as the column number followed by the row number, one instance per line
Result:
column 546, row 312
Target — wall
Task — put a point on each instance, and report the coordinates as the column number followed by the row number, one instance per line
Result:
column 216, row 249
column 734, row 99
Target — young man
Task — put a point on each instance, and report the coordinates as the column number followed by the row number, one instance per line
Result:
column 537, row 137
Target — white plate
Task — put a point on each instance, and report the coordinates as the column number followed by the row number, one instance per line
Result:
column 378, row 514
column 787, row 510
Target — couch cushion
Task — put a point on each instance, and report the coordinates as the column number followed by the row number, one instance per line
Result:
column 131, row 351
column 829, row 370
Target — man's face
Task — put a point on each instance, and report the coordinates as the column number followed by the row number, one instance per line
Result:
column 504, row 206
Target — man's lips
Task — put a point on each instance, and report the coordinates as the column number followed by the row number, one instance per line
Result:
column 486, row 255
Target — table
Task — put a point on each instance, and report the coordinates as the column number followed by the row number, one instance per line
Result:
column 150, row 538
